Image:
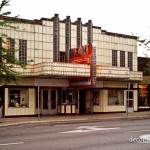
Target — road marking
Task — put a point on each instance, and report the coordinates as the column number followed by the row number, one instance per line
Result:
column 89, row 129
column 145, row 138
column 61, row 125
column 136, row 131
column 11, row 144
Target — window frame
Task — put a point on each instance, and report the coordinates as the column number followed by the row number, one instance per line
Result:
column 62, row 56
column 18, row 98
column 117, row 97
column 130, row 61
column 10, row 45
column 122, row 58
column 23, row 51
column 114, row 57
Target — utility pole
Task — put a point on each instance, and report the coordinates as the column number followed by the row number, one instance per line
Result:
column 38, row 102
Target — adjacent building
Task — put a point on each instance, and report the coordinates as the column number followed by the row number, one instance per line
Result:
column 144, row 85
column 76, row 68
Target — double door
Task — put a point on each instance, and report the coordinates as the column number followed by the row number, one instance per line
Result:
column 49, row 101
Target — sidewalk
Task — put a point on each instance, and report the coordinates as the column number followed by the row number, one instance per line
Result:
column 55, row 119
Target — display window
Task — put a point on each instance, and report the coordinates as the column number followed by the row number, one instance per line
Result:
column 115, row 97
column 18, row 97
column 69, row 96
column 96, row 98
column 143, row 95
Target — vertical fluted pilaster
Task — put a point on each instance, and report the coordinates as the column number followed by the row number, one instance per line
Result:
column 56, row 38
column 68, row 38
column 90, row 32
column 79, row 32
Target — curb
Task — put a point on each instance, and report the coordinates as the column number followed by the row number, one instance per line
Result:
column 55, row 122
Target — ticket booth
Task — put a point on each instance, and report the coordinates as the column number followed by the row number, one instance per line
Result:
column 69, row 102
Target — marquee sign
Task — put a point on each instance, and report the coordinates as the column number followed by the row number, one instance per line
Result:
column 84, row 55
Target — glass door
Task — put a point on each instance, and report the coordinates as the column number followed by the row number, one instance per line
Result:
column 53, row 101
column 45, row 101
column 130, row 101
column 49, row 101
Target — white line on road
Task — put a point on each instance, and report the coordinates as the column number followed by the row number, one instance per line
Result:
column 89, row 129
column 61, row 125
column 11, row 144
column 136, row 131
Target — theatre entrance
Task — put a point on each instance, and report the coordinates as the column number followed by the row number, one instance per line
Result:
column 82, row 101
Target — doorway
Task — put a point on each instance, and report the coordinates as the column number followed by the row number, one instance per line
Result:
column 1, row 103
column 49, row 101
column 82, row 101
column 130, row 100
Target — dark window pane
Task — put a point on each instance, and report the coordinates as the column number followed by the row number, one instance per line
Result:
column 122, row 58
column 45, row 99
column 130, row 60
column 130, row 95
column 53, row 99
column 10, row 45
column 64, row 92
column 114, row 57
column 130, row 103
column 23, row 51
column 62, row 57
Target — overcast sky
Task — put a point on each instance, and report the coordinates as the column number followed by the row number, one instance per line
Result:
column 119, row 16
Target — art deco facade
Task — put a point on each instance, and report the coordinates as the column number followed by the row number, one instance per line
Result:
column 52, row 83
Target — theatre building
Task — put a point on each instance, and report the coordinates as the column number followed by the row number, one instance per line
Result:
column 76, row 68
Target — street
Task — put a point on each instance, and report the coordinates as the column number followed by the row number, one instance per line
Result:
column 119, row 134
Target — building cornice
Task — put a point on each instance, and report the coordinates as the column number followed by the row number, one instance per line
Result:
column 39, row 22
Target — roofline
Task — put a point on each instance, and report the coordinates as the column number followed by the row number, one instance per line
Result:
column 21, row 20
column 39, row 22
column 119, row 34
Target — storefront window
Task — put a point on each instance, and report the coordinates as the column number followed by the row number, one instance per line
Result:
column 143, row 95
column 18, row 97
column 45, row 99
column 67, row 96
column 53, row 99
column 115, row 97
column 96, row 98
column 63, row 96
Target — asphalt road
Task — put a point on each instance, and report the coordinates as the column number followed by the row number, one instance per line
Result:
column 121, row 134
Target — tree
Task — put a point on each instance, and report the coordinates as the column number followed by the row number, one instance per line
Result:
column 144, row 43
column 7, row 54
